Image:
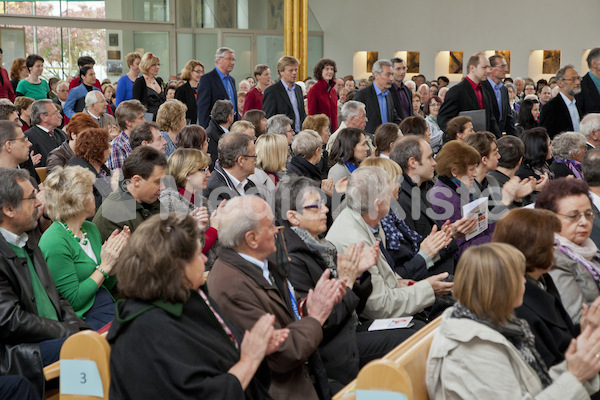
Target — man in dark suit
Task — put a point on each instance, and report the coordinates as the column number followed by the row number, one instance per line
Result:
column 378, row 98
column 588, row 101
column 591, row 173
column 62, row 89
column 401, row 94
column 468, row 95
column 44, row 135
column 285, row 97
column 218, row 84
column 562, row 113
column 221, row 118
column 496, row 91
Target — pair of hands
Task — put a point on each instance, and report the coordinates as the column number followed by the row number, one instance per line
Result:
column 340, row 186
column 200, row 214
column 355, row 261
column 437, row 239
column 263, row 339
column 326, row 294
column 111, row 249
column 583, row 354
column 439, row 287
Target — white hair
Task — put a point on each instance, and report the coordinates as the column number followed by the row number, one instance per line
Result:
column 93, row 97
column 424, row 85
column 590, row 123
column 411, row 85
column 222, row 52
column 351, row 108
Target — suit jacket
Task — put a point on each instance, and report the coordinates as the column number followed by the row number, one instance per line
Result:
column 555, row 116
column 105, row 121
column 368, row 97
column 588, row 101
column 507, row 122
column 214, row 133
column 595, row 236
column 276, row 101
column 210, row 89
column 223, row 187
column 397, row 104
column 42, row 142
column 244, row 295
column 187, row 95
column 461, row 97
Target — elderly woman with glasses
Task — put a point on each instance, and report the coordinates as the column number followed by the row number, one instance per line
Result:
column 576, row 258
column 568, row 150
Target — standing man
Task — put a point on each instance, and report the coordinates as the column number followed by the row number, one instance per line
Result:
column 468, row 95
column 285, row 97
column 562, row 113
column 588, row 101
column 45, row 135
column 495, row 88
column 401, row 94
column 377, row 97
column 218, row 84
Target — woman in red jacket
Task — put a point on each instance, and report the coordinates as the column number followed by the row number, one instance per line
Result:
column 322, row 97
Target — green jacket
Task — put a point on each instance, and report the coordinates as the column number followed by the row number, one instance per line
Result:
column 120, row 209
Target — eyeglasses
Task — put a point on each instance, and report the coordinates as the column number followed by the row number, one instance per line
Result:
column 576, row 216
column 501, row 66
column 249, row 156
column 572, row 80
column 205, row 170
column 198, row 71
column 316, row 206
column 23, row 139
column 229, row 58
column 32, row 197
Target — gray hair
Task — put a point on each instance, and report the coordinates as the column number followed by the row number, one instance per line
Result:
column 589, row 124
column 511, row 85
column 278, row 124
column 351, row 108
column 591, row 167
column 424, row 85
column 411, row 85
column 594, row 54
column 567, row 144
column 61, row 84
column 379, row 64
column 222, row 52
column 291, row 192
column 38, row 108
column 221, row 110
column 518, row 78
column 231, row 147
column 93, row 97
column 405, row 148
column 11, row 193
column 306, row 143
column 560, row 74
column 365, row 185
column 236, row 221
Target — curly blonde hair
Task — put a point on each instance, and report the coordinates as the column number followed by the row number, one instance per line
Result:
column 170, row 114
column 67, row 190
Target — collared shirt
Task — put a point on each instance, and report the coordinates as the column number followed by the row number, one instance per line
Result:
column 477, row 89
column 51, row 134
column 13, row 239
column 97, row 119
column 498, row 93
column 381, row 99
column 237, row 185
column 405, row 102
column 226, row 79
column 119, row 151
column 596, row 80
column 572, row 111
column 384, row 156
column 292, row 95
column 263, row 265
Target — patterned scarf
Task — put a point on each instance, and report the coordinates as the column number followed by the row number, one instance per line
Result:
column 398, row 234
column 325, row 249
column 574, row 166
column 518, row 333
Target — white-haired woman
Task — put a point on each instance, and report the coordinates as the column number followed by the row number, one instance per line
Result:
column 568, row 150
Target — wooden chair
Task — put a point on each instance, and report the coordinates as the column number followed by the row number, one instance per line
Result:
column 42, row 173
column 401, row 370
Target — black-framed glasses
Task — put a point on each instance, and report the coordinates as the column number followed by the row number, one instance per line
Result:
column 205, row 170
column 32, row 197
column 576, row 216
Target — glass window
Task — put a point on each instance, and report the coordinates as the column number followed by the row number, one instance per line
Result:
column 315, row 52
column 157, row 43
column 184, row 50
column 269, row 48
column 206, row 47
column 242, row 45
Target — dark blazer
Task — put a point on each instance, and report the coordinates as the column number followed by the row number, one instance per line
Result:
column 62, row 112
column 588, row 101
column 368, row 97
column 397, row 103
column 219, row 181
column 214, row 133
column 21, row 328
column 555, row 116
column 461, row 97
column 210, row 89
column 507, row 122
column 42, row 142
column 187, row 95
column 276, row 101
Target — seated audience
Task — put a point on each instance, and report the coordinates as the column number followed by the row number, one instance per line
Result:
column 591, row 174
column 271, row 158
column 416, row 125
column 482, row 351
column 416, row 105
column 353, row 115
column 147, row 134
column 45, row 135
column 529, row 113
column 36, row 319
column 8, row 112
column 81, row 268
column 243, row 127
column 348, row 151
column 193, row 137
column 245, row 285
column 320, row 124
column 60, row 156
column 168, row 286
column 279, row 124
column 307, row 148
column 129, row 114
column 95, row 106
column 568, row 149
column 368, row 196
column 459, row 128
column 136, row 197
column 222, row 116
column 538, row 151
column 258, row 119
column 576, row 269
column 171, row 120
column 590, row 128
column 384, row 138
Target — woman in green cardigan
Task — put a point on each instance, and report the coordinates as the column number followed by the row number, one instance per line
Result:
column 80, row 265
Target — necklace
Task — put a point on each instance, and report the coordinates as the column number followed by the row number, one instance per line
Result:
column 83, row 241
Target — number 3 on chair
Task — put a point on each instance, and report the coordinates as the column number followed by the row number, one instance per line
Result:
column 80, row 377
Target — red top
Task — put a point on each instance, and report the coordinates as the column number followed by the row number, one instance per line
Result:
column 6, row 89
column 210, row 235
column 254, row 99
column 324, row 101
column 76, row 82
column 477, row 89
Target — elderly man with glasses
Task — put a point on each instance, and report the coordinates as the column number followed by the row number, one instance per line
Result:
column 562, row 113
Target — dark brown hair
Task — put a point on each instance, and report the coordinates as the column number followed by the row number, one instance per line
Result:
column 413, row 126
column 456, row 154
column 192, row 137
column 320, row 66
column 558, row 189
column 456, row 125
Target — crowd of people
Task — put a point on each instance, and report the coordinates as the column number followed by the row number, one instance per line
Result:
column 265, row 226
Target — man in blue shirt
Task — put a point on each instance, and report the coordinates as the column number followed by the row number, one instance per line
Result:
column 218, row 84
column 285, row 97
column 499, row 94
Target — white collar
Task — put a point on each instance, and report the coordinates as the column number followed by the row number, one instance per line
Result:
column 14, row 239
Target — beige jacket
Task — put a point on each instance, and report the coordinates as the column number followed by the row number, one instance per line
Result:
column 388, row 299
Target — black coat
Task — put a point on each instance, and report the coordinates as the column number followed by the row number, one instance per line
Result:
column 214, row 133
column 21, row 329
column 588, row 101
column 220, row 183
column 185, row 353
column 300, row 166
column 398, row 105
column 187, row 95
column 507, row 122
column 42, row 142
column 276, row 101
column 210, row 89
column 368, row 97
column 555, row 116
column 339, row 348
column 548, row 319
column 461, row 97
